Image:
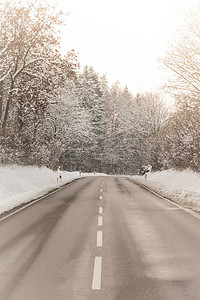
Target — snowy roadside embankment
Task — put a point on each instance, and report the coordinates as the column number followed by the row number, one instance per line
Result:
column 182, row 187
column 21, row 184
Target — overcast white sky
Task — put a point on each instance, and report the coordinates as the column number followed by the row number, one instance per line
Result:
column 123, row 38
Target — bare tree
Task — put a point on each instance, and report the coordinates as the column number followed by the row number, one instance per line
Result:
column 183, row 57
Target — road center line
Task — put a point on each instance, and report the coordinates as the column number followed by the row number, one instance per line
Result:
column 100, row 197
column 99, row 239
column 101, row 190
column 96, row 282
column 100, row 221
column 100, row 210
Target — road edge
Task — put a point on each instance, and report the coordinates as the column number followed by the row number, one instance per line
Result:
column 187, row 210
column 6, row 214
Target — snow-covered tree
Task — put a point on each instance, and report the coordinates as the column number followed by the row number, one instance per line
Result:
column 181, row 135
column 177, row 145
column 32, row 71
column 31, row 66
column 88, row 90
column 73, row 129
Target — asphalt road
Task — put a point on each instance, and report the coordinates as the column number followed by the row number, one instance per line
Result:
column 100, row 238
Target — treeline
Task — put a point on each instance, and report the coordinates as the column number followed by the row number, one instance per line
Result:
column 178, row 143
column 53, row 114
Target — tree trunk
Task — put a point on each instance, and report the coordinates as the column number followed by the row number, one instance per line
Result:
column 5, row 118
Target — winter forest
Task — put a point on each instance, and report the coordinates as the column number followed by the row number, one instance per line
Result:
column 54, row 113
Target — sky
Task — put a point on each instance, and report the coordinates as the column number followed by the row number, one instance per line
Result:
column 123, row 39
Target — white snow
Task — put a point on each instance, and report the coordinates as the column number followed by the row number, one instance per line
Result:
column 182, row 187
column 21, row 184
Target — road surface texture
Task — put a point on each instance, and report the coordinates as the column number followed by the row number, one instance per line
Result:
column 100, row 238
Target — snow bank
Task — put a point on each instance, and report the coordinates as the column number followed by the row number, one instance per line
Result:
column 21, row 184
column 182, row 187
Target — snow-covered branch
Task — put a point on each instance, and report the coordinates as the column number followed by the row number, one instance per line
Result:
column 26, row 65
column 2, row 78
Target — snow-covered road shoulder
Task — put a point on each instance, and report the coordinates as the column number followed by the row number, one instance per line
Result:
column 22, row 184
column 182, row 187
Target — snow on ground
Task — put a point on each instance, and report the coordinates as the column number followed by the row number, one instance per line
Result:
column 182, row 187
column 21, row 184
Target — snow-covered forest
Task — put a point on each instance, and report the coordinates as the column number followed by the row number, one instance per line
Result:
column 52, row 113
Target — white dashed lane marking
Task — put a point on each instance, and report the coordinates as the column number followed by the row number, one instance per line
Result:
column 100, row 221
column 96, row 282
column 99, row 238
